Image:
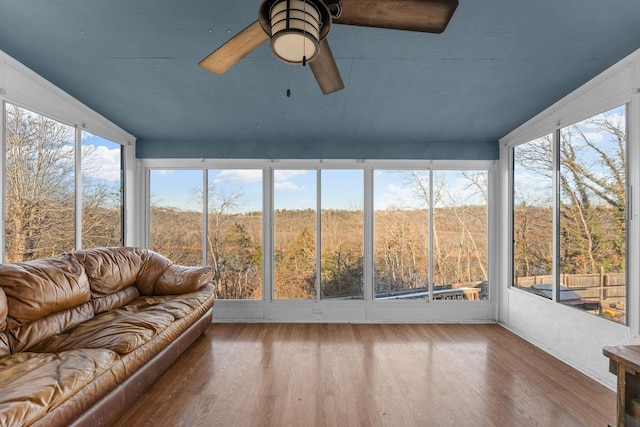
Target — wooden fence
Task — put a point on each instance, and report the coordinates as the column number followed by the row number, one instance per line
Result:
column 599, row 286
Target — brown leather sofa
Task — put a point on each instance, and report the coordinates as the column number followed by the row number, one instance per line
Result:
column 83, row 334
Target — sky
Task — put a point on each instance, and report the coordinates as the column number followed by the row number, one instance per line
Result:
column 104, row 163
column 297, row 189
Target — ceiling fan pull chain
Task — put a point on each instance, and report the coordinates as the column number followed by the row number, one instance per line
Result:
column 304, row 30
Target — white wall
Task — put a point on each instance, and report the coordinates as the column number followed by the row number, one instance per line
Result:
column 571, row 335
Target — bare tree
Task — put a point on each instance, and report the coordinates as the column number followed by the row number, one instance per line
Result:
column 592, row 184
column 221, row 204
column 40, row 186
column 101, row 205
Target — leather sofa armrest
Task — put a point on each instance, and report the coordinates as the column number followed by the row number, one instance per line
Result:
column 178, row 279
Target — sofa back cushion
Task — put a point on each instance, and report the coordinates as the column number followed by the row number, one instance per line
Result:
column 110, row 269
column 178, row 279
column 113, row 301
column 153, row 267
column 41, row 287
column 44, row 297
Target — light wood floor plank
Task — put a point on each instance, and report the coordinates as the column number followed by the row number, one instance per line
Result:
column 369, row 375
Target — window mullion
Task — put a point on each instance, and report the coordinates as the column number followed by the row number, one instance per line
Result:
column 78, row 189
column 368, row 235
column 205, row 215
column 318, row 234
column 430, row 261
column 3, row 180
column 556, row 217
column 268, row 225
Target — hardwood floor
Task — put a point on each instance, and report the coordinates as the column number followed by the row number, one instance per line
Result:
column 369, row 375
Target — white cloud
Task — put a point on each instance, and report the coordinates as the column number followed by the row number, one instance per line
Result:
column 239, row 176
column 162, row 171
column 103, row 163
column 285, row 175
column 287, row 186
column 86, row 135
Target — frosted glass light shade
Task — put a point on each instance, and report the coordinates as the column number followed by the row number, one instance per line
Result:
column 295, row 30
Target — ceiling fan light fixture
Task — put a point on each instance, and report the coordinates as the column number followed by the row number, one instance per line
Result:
column 296, row 30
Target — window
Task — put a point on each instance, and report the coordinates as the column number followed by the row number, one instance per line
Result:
column 233, row 221
column 294, row 256
column 175, row 217
column 589, row 272
column 342, row 234
column 41, row 216
column 401, row 233
column 102, row 192
column 332, row 233
column 533, row 214
column 592, row 251
column 234, row 240
column 460, row 233
column 431, row 224
column 40, row 186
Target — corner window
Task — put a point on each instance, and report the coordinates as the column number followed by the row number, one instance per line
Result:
column 589, row 160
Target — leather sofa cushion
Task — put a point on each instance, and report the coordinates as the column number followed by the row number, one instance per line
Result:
column 34, row 383
column 38, row 288
column 124, row 330
column 116, row 300
column 177, row 279
column 179, row 306
column 153, row 267
column 110, row 269
column 24, row 337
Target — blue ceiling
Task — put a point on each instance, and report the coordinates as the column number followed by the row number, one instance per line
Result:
column 498, row 63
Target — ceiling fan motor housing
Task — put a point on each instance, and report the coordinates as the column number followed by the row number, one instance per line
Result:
column 296, row 28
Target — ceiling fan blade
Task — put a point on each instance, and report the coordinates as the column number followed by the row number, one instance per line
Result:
column 326, row 71
column 227, row 55
column 429, row 16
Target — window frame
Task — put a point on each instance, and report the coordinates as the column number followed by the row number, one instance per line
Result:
column 368, row 167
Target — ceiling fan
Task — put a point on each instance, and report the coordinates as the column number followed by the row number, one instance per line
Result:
column 297, row 30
